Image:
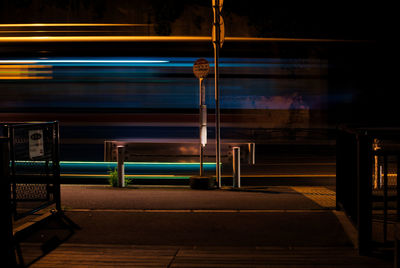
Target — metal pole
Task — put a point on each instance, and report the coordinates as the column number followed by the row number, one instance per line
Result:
column 11, row 135
column 121, row 167
column 8, row 256
column 364, row 194
column 217, row 109
column 56, row 163
column 236, row 167
column 385, row 197
column 252, row 153
column 202, row 123
column 398, row 187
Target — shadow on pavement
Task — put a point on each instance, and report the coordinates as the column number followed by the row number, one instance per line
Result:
column 43, row 237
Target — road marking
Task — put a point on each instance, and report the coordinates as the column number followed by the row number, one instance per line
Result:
column 290, row 176
column 199, row 210
column 319, row 194
column 299, row 164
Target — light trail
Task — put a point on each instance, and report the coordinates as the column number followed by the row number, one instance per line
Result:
column 81, row 61
column 70, row 25
column 19, row 39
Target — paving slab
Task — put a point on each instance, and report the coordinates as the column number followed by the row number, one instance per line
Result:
column 102, row 255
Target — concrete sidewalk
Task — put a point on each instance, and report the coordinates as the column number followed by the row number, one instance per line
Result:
column 180, row 227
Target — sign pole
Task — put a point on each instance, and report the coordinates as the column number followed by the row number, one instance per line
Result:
column 217, row 43
column 202, row 124
column 201, row 68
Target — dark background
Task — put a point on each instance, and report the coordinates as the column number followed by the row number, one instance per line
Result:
column 308, row 19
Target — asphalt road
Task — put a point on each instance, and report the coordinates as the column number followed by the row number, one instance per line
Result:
column 181, row 198
column 218, row 221
column 209, row 229
column 255, row 216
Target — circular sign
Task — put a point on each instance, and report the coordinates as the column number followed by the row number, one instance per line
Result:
column 201, row 68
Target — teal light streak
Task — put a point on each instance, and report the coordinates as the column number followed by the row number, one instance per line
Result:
column 131, row 168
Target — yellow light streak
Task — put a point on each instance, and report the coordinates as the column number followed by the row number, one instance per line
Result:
column 104, row 39
column 23, row 77
column 65, row 31
column 272, row 39
column 13, row 66
column 126, row 175
column 19, row 39
column 72, row 25
column 24, row 72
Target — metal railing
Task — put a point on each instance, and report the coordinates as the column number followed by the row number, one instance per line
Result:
column 9, row 256
column 367, row 183
column 34, row 146
column 386, row 191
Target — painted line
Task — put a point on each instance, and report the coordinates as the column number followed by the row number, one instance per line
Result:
column 215, row 210
column 127, row 176
column 134, row 187
column 289, row 176
column 200, row 210
column 299, row 164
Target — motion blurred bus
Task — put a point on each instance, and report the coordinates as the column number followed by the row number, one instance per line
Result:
column 142, row 87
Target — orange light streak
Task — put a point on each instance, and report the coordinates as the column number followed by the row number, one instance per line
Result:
column 72, row 25
column 20, row 39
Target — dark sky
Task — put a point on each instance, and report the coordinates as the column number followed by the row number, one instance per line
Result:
column 308, row 19
column 313, row 20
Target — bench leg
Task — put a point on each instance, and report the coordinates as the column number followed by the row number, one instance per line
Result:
column 121, row 166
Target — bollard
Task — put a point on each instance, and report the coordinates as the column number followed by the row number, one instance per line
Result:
column 236, row 167
column 108, row 151
column 121, row 166
column 252, row 153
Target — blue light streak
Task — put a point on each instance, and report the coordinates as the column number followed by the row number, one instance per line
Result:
column 164, row 62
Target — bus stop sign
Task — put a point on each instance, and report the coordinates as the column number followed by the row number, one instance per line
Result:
column 201, row 68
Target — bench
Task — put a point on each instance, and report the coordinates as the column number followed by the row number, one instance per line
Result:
column 178, row 151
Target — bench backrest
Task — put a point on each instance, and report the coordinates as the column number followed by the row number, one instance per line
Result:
column 184, row 152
